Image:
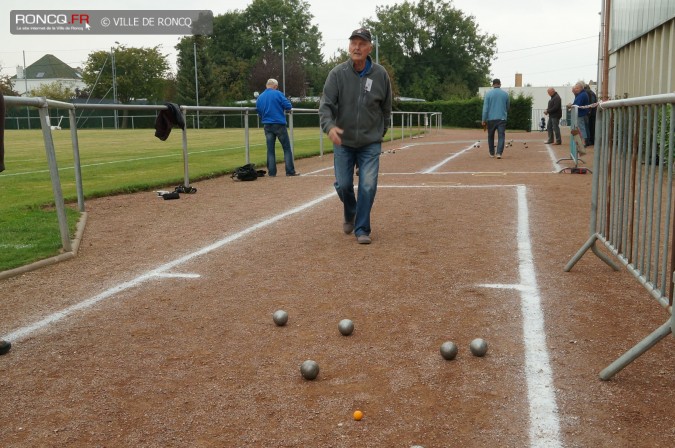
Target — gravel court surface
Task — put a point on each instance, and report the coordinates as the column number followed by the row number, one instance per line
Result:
column 197, row 361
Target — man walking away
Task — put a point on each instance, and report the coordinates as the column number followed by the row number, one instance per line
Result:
column 271, row 105
column 495, row 110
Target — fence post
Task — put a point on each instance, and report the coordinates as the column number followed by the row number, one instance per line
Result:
column 246, row 139
column 54, row 174
column 290, row 117
column 186, row 174
column 76, row 159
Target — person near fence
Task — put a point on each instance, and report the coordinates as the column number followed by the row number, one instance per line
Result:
column 581, row 100
column 495, row 111
column 2, row 133
column 355, row 109
column 271, row 106
column 554, row 112
column 592, row 99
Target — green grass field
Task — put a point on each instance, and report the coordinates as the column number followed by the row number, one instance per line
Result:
column 112, row 162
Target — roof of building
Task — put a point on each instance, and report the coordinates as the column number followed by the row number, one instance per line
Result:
column 51, row 67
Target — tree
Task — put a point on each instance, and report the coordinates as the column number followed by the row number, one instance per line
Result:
column 270, row 21
column 140, row 73
column 210, row 91
column 436, row 51
column 244, row 43
column 6, row 86
column 54, row 91
column 270, row 66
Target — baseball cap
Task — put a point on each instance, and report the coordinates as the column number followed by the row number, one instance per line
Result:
column 362, row 33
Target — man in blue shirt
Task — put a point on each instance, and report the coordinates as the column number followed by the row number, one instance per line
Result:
column 581, row 100
column 495, row 110
column 271, row 105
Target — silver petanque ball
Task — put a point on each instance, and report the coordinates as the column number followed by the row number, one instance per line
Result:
column 448, row 350
column 478, row 347
column 280, row 317
column 309, row 369
column 346, row 327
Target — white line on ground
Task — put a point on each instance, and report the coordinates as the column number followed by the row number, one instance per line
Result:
column 543, row 412
column 23, row 332
column 446, row 160
column 544, row 423
column 169, row 275
column 554, row 159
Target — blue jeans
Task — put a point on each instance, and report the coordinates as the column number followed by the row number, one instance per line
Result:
column 500, row 127
column 582, row 124
column 345, row 159
column 272, row 132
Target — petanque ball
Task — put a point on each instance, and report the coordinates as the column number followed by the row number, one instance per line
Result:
column 448, row 350
column 280, row 317
column 478, row 347
column 309, row 369
column 346, row 327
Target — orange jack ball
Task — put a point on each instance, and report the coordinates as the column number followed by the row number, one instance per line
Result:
column 358, row 415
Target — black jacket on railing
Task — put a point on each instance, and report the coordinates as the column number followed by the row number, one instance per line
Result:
column 168, row 118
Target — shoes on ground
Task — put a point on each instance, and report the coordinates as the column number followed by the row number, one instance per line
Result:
column 499, row 156
column 363, row 239
column 348, row 227
column 557, row 143
column 548, row 142
column 492, row 155
column 4, row 347
column 297, row 173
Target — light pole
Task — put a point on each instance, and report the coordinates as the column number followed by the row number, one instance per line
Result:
column 283, row 66
column 114, row 82
column 194, row 47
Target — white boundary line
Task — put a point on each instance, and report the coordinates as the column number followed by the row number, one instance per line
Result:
column 544, row 431
column 446, row 160
column 162, row 271
column 544, row 422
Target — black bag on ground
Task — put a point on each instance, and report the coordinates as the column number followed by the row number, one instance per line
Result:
column 247, row 172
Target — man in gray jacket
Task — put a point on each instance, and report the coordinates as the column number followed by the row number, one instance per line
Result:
column 554, row 112
column 355, row 110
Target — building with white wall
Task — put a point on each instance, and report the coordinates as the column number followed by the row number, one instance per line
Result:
column 539, row 97
column 46, row 70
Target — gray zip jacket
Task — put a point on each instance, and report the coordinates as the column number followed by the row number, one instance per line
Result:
column 360, row 106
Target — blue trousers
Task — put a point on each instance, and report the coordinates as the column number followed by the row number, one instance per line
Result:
column 272, row 132
column 345, row 159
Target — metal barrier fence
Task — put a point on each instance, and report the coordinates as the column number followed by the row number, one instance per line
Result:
column 631, row 202
column 425, row 122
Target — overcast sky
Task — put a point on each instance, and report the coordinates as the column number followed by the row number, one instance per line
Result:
column 549, row 42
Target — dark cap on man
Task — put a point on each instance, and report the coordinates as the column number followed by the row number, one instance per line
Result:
column 362, row 33
column 496, row 82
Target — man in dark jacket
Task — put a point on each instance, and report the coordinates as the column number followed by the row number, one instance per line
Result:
column 592, row 99
column 554, row 112
column 355, row 110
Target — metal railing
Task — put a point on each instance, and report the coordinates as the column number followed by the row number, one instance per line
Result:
column 631, row 202
column 424, row 124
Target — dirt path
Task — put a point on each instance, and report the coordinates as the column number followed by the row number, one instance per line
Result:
column 167, row 337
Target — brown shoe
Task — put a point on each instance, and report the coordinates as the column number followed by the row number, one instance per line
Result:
column 363, row 239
